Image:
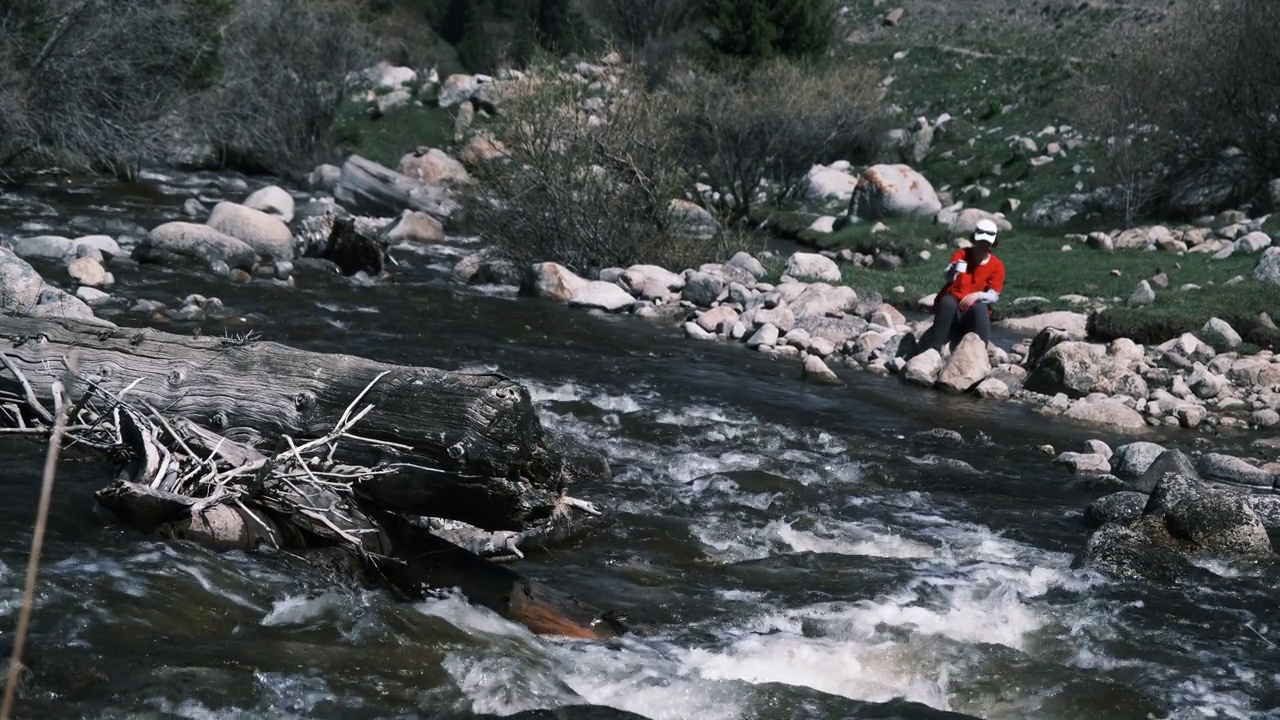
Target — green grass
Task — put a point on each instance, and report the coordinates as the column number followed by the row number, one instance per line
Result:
column 904, row 237
column 1037, row 267
column 387, row 138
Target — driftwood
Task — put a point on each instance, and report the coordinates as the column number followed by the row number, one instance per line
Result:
column 184, row 481
column 462, row 446
column 365, row 186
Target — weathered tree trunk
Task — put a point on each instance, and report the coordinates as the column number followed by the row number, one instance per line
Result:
column 367, row 187
column 467, row 447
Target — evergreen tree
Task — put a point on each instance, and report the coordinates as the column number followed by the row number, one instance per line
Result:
column 473, row 45
column 458, row 14
column 755, row 30
column 804, row 27
column 741, row 28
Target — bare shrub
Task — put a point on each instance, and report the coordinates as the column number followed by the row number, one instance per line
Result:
column 1207, row 80
column 588, row 178
column 112, row 85
column 284, row 64
column 637, row 22
column 89, row 81
column 769, row 125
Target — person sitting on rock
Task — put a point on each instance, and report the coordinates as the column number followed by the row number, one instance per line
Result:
column 974, row 281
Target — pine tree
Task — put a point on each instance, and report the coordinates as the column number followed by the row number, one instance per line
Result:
column 804, row 27
column 473, row 45
column 757, row 30
column 741, row 28
column 458, row 14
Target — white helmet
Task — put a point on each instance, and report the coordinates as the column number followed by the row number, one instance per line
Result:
column 985, row 231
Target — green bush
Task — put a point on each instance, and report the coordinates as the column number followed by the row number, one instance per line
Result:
column 757, row 30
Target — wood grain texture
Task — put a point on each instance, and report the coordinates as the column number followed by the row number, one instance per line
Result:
column 477, row 436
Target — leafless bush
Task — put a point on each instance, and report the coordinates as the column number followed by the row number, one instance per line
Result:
column 111, row 85
column 770, row 125
column 588, row 193
column 1205, row 81
column 636, row 22
column 283, row 67
column 88, row 81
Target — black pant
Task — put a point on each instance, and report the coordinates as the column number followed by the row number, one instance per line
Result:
column 950, row 325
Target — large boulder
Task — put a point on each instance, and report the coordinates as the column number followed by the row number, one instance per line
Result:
column 552, row 281
column 822, row 300
column 1169, row 462
column 1143, row 550
column 414, row 227
column 1234, row 470
column 433, row 166
column 1074, row 324
column 1268, row 268
column 1107, row 413
column 1219, row 521
column 183, row 240
column 691, row 220
column 812, row 266
column 600, row 295
column 834, row 182
column 923, row 369
column 893, row 191
column 273, row 201
column 20, row 284
column 1133, row 459
column 651, row 282
column 267, row 235
column 49, row 247
column 1069, row 367
column 968, row 365
column 1122, row 507
column 55, row 302
column 963, row 223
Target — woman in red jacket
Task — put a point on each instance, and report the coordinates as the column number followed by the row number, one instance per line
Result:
column 975, row 279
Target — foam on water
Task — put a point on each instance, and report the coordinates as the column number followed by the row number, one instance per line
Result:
column 453, row 608
column 280, row 695
column 544, row 395
column 870, row 673
column 730, row 542
column 336, row 308
column 304, row 610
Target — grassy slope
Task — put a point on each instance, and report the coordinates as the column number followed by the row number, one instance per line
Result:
column 385, row 139
column 1002, row 69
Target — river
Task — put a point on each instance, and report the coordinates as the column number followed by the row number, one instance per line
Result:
column 793, row 551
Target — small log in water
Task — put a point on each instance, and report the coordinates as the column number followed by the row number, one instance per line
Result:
column 465, row 446
column 423, row 561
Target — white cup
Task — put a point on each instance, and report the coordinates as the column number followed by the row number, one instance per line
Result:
column 961, row 266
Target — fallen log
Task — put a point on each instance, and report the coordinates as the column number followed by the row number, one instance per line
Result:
column 461, row 446
column 365, row 186
column 185, row 482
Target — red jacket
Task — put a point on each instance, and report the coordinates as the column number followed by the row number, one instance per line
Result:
column 987, row 276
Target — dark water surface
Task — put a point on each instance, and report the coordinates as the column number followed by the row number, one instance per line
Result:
column 798, row 551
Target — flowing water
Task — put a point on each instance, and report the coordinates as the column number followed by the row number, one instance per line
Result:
column 792, row 551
